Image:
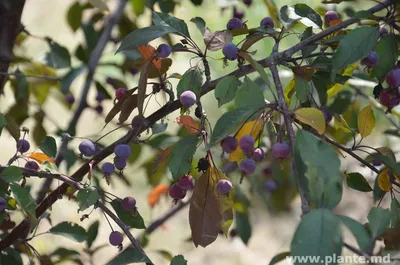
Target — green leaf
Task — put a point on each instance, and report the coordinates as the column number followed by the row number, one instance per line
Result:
column 378, row 193
column 230, row 121
column 249, row 95
column 3, row 122
column 164, row 19
column 318, row 235
column 92, row 233
column 279, row 257
column 180, row 160
column 12, row 127
column 395, row 210
column 87, row 197
column 359, row 231
column 178, row 260
column 49, row 146
column 143, row 36
column 69, row 230
column 129, row 255
column 67, row 80
column 200, row 24
column 25, row 201
column 64, row 253
column 132, row 218
column 58, row 57
column 379, row 220
column 138, row 6
column 74, row 16
column 307, row 50
column 304, row 10
column 10, row 256
column 11, row 174
column 319, row 170
column 302, row 89
column 258, row 67
column 192, row 80
column 22, row 84
column 225, row 90
column 358, row 182
column 355, row 46
column 243, row 226
column 388, row 51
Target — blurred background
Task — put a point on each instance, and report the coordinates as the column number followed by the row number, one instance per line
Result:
column 273, row 217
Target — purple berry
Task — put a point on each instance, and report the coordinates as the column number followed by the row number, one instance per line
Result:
column 70, row 99
column 122, row 151
column 267, row 170
column 376, row 162
column 389, row 98
column 258, row 155
column 267, row 22
column 23, row 145
column 99, row 109
column 229, row 167
column 186, row 182
column 129, row 204
column 87, row 148
column 229, row 144
column 248, row 2
column 383, row 32
column 120, row 163
column 134, row 70
column 330, row 16
column 393, row 78
column 188, row 98
column 107, row 168
column 371, row 60
column 234, row 23
column 246, row 143
column 270, row 185
column 115, row 238
column 3, row 204
column 238, row 13
column 100, row 96
column 248, row 166
column 230, row 51
column 176, row 192
column 164, row 50
column 224, row 186
column 327, row 114
column 111, row 81
column 281, row 150
column 120, row 92
column 32, row 165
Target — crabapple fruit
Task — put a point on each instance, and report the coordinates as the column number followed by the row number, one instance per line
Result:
column 23, row 145
column 281, row 150
column 32, row 165
column 87, row 148
column 176, row 192
column 258, row 155
column 107, row 168
column 120, row 163
column 246, row 143
column 128, row 203
column 267, row 22
column 234, row 23
column 164, row 50
column 248, row 166
column 115, row 238
column 186, row 182
column 230, row 51
column 120, row 92
column 229, row 144
column 330, row 16
column 389, row 98
column 224, row 186
column 270, row 185
column 238, row 13
column 393, row 78
column 70, row 99
column 188, row 98
column 122, row 151
column 371, row 60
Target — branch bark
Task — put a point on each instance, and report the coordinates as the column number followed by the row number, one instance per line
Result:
column 10, row 26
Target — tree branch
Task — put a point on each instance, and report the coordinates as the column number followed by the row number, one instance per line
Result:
column 10, row 23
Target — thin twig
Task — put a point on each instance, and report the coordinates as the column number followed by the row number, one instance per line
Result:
column 157, row 223
column 47, row 77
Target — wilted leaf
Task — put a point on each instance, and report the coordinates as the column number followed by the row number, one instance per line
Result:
column 40, row 157
column 189, row 123
column 154, row 196
column 69, row 230
column 312, row 117
column 391, row 238
column 217, row 40
column 128, row 106
column 366, row 121
column 180, row 160
column 141, row 95
column 253, row 128
column 209, row 211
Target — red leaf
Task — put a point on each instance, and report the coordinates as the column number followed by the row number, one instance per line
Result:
column 148, row 51
column 189, row 123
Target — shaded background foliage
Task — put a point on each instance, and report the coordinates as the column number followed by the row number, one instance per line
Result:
column 41, row 104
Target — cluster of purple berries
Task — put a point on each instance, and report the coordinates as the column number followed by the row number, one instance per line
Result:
column 178, row 190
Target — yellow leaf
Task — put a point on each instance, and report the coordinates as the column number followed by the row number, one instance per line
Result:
column 366, row 121
column 253, row 128
column 312, row 117
column 337, row 87
column 340, row 123
column 289, row 91
column 384, row 181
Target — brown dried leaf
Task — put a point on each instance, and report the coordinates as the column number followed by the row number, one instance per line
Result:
column 209, row 211
column 391, row 238
column 143, row 85
column 217, row 40
column 127, row 107
column 189, row 123
column 155, row 72
column 250, row 41
column 117, row 106
column 154, row 196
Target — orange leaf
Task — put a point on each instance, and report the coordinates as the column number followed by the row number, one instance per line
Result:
column 148, row 51
column 155, row 194
column 189, row 123
column 334, row 22
column 40, row 157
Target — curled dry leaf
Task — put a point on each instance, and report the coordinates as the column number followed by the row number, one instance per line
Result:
column 40, row 157
column 148, row 51
column 217, row 40
column 154, row 196
column 189, row 123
